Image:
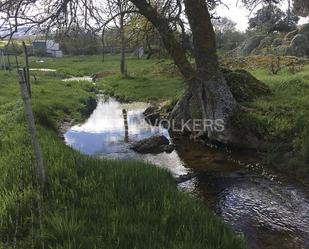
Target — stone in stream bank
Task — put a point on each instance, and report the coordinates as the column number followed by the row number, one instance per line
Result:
column 245, row 88
column 152, row 115
column 155, row 144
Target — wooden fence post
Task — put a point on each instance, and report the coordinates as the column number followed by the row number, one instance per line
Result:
column 31, row 125
column 27, row 76
column 126, row 126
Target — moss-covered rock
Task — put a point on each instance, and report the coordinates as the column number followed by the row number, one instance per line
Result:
column 289, row 36
column 304, row 30
column 299, row 45
column 295, row 43
column 244, row 86
column 277, row 42
column 251, row 44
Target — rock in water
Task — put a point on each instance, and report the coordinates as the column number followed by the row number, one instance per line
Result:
column 152, row 115
column 185, row 178
column 150, row 110
column 155, row 144
column 169, row 148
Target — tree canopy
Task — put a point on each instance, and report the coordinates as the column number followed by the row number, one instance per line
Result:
column 271, row 18
column 301, row 7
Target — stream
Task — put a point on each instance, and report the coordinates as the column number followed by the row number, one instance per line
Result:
column 270, row 210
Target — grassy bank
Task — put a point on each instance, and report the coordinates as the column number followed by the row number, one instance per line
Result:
column 147, row 79
column 283, row 119
column 279, row 118
column 89, row 203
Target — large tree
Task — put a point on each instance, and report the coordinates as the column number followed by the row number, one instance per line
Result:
column 118, row 10
column 208, row 97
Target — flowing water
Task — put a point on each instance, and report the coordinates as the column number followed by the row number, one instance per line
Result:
column 83, row 78
column 43, row 69
column 271, row 211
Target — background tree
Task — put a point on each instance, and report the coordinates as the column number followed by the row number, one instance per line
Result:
column 271, row 18
column 141, row 33
column 76, row 41
column 301, row 7
column 207, row 96
column 118, row 11
column 227, row 36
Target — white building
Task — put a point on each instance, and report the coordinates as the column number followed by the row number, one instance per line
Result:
column 49, row 47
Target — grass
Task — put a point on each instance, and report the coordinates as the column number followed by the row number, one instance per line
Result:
column 148, row 80
column 282, row 119
column 89, row 202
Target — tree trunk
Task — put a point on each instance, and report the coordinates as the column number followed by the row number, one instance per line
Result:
column 123, row 69
column 217, row 101
column 208, row 97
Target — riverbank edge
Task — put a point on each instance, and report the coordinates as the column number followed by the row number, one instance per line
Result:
column 165, row 108
column 43, row 131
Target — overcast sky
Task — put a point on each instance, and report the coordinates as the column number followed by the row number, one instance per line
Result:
column 239, row 14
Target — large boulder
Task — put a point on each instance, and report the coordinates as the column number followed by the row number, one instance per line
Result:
column 263, row 47
column 250, row 44
column 277, row 42
column 281, row 50
column 152, row 115
column 265, row 42
column 304, row 30
column 244, row 86
column 289, row 36
column 295, row 43
column 299, row 46
column 155, row 144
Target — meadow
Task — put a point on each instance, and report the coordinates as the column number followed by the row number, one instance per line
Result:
column 90, row 202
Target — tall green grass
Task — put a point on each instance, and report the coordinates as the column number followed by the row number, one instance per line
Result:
column 88, row 202
column 280, row 117
column 284, row 119
column 148, row 80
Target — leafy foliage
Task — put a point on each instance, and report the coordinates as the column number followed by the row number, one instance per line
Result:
column 301, row 7
column 227, row 37
column 271, row 18
column 274, row 64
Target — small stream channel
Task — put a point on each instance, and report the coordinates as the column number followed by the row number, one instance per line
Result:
column 271, row 211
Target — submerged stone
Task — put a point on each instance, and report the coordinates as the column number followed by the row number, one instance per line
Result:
column 152, row 115
column 155, row 144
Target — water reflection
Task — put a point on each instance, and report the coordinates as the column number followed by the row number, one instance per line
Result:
column 112, row 127
column 268, row 209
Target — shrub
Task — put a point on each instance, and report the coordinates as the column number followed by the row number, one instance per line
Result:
column 271, row 63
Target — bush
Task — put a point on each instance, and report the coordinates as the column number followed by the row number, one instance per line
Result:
column 271, row 63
